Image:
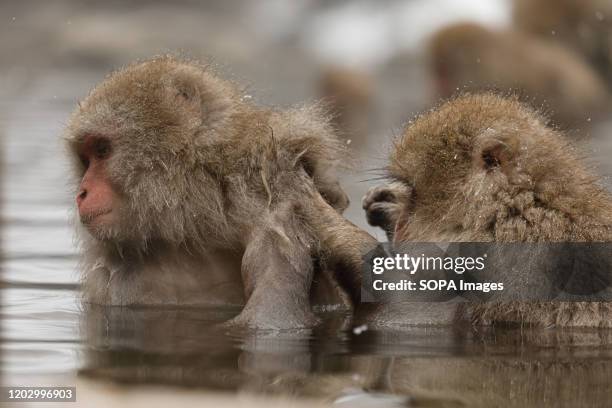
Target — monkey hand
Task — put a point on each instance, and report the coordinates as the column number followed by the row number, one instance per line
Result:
column 383, row 205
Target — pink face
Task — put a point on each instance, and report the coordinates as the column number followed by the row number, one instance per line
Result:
column 96, row 198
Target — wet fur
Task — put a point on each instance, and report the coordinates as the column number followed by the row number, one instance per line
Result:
column 483, row 168
column 206, row 176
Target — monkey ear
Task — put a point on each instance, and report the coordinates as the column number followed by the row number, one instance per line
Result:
column 493, row 152
column 185, row 92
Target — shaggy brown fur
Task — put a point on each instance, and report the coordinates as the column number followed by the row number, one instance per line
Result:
column 221, row 200
column 584, row 25
column 481, row 168
column 468, row 57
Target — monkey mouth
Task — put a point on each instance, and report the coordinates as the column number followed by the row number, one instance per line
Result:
column 89, row 218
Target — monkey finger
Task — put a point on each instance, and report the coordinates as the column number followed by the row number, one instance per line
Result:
column 381, row 214
column 376, row 194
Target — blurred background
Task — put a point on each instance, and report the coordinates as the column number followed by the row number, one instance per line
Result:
column 376, row 63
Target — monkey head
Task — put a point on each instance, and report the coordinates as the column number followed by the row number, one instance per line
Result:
column 485, row 168
column 136, row 143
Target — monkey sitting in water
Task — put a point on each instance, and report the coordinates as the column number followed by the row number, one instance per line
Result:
column 472, row 58
column 583, row 25
column 190, row 195
column 482, row 168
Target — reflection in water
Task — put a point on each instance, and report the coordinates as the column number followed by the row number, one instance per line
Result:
column 191, row 347
column 438, row 366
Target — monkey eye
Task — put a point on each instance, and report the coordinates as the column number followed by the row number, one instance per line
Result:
column 84, row 161
column 101, row 149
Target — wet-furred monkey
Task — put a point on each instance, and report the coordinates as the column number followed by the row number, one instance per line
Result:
column 473, row 58
column 188, row 194
column 584, row 25
column 482, row 168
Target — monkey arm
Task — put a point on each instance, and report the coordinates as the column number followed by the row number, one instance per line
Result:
column 277, row 273
column 343, row 245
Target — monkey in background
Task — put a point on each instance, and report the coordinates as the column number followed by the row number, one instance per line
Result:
column 350, row 96
column 482, row 168
column 188, row 194
column 469, row 57
column 584, row 25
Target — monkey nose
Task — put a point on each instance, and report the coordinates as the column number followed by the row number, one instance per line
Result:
column 81, row 196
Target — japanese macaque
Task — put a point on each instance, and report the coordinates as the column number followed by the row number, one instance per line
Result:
column 349, row 93
column 469, row 57
column 482, row 168
column 584, row 25
column 190, row 195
